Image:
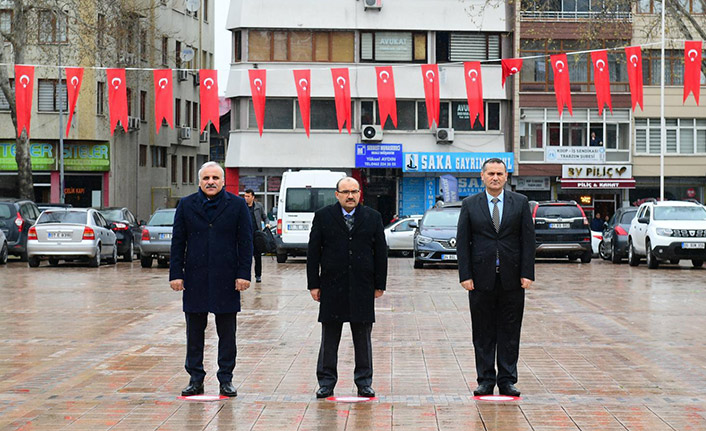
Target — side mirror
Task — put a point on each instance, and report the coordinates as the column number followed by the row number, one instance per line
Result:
column 643, row 220
column 414, row 225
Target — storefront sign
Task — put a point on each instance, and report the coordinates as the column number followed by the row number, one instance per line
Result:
column 554, row 154
column 393, row 46
column 255, row 183
column 533, row 183
column 597, row 184
column 273, row 184
column 87, row 157
column 597, row 171
column 452, row 162
column 378, row 155
column 42, row 155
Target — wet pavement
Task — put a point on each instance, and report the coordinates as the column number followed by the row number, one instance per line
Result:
column 604, row 347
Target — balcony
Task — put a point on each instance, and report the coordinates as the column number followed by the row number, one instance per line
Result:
column 575, row 16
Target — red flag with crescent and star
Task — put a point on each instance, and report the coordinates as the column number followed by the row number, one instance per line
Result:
column 562, row 84
column 634, row 57
column 342, row 91
column 208, row 94
column 387, row 102
column 117, row 98
column 24, row 89
column 430, row 76
column 474, row 91
column 163, row 98
column 302, row 80
column 601, row 75
column 510, row 66
column 692, row 68
column 258, row 85
column 74, row 79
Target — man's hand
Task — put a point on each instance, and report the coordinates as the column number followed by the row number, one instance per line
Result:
column 526, row 283
column 467, row 284
column 177, row 284
column 241, row 284
column 379, row 293
column 267, row 226
column 316, row 294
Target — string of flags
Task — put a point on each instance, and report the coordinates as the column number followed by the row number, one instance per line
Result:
column 387, row 102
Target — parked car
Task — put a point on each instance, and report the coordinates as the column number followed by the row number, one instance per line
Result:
column 435, row 236
column 668, row 231
column 614, row 245
column 561, row 230
column 157, row 238
column 16, row 217
column 3, row 248
column 70, row 234
column 127, row 231
column 399, row 235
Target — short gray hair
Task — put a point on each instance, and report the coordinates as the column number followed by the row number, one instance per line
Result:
column 210, row 165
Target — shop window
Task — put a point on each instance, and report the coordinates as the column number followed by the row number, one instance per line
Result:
column 279, row 115
column 266, row 45
column 455, row 46
column 50, row 94
column 388, row 46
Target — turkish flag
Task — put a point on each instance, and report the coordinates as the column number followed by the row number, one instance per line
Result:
column 208, row 94
column 510, row 66
column 601, row 75
column 258, row 83
column 24, row 88
column 163, row 98
column 474, row 91
column 634, row 56
column 387, row 102
column 692, row 69
column 562, row 85
column 117, row 98
column 342, row 91
column 74, row 79
column 430, row 75
column 302, row 80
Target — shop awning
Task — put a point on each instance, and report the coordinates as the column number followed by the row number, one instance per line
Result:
column 573, row 183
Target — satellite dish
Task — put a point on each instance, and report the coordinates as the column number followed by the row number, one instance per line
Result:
column 192, row 5
column 186, row 54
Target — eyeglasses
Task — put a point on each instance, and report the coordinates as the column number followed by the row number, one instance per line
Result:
column 348, row 192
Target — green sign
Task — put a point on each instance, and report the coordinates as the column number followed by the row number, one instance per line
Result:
column 87, row 157
column 42, row 154
column 92, row 156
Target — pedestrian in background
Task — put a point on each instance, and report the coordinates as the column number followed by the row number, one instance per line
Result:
column 346, row 271
column 495, row 247
column 597, row 223
column 210, row 263
column 258, row 216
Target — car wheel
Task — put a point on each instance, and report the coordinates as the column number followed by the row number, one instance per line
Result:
column 127, row 257
column 53, row 261
column 674, row 261
column 652, row 261
column 281, row 258
column 33, row 262
column 113, row 259
column 697, row 263
column 586, row 256
column 614, row 257
column 603, row 250
column 146, row 261
column 633, row 258
column 95, row 261
column 3, row 254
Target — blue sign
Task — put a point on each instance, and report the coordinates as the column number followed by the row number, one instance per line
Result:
column 449, row 188
column 430, row 187
column 469, row 186
column 452, row 162
column 412, row 197
column 378, row 155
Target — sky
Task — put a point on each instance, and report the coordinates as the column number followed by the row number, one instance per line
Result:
column 222, row 42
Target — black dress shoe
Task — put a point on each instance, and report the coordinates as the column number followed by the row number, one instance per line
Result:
column 228, row 390
column 324, row 392
column 194, row 388
column 366, row 391
column 484, row 389
column 509, row 390
column 258, row 279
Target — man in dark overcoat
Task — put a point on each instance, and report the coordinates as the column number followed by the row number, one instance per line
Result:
column 211, row 255
column 496, row 247
column 346, row 271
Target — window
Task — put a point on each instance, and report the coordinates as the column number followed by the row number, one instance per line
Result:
column 52, row 26
column 454, row 46
column 187, row 114
column 4, row 104
column 177, row 56
column 177, row 112
column 143, row 45
column 406, row 115
column 100, row 98
column 393, row 46
column 205, row 10
column 128, row 92
column 100, row 33
column 422, row 122
column 6, row 20
column 460, row 117
column 184, row 169
column 50, row 94
column 173, row 167
column 195, row 113
column 237, row 46
column 265, row 45
column 165, row 51
column 684, row 136
column 159, row 157
column 192, row 163
column 143, row 105
column 673, row 67
column 143, row 155
column 279, row 115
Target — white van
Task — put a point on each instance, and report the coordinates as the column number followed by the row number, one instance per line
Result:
column 300, row 195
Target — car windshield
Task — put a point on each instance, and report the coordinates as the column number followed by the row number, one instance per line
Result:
column 680, row 213
column 308, row 200
column 6, row 211
column 112, row 215
column 48, row 216
column 627, row 217
column 558, row 211
column 444, row 218
column 162, row 218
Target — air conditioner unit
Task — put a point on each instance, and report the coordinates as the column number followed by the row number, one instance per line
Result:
column 371, row 132
column 133, row 123
column 372, row 4
column 185, row 132
column 204, row 137
column 444, row 136
column 182, row 75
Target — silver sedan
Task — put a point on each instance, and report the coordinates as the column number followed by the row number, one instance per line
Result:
column 71, row 234
column 399, row 235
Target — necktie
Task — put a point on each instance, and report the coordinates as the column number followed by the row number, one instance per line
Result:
column 349, row 221
column 496, row 214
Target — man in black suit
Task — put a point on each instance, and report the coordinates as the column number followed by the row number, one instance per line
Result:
column 346, row 271
column 496, row 246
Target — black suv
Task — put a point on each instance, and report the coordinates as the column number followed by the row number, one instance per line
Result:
column 128, row 232
column 562, row 230
column 16, row 217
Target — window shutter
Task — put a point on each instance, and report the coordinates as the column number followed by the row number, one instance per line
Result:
column 45, row 95
column 366, row 46
column 467, row 46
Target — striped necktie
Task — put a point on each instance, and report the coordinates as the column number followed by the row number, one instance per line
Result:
column 496, row 214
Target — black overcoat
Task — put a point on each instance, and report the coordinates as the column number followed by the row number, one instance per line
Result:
column 210, row 254
column 347, row 266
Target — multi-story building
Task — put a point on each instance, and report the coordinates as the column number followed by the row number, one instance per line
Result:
column 140, row 168
column 280, row 37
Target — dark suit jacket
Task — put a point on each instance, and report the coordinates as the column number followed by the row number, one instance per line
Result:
column 210, row 254
column 347, row 266
column 478, row 242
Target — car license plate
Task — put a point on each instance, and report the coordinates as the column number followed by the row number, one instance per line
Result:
column 559, row 225
column 165, row 236
column 58, row 235
column 302, row 226
column 692, row 245
column 449, row 257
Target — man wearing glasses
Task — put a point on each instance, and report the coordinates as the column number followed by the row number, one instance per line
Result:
column 346, row 271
